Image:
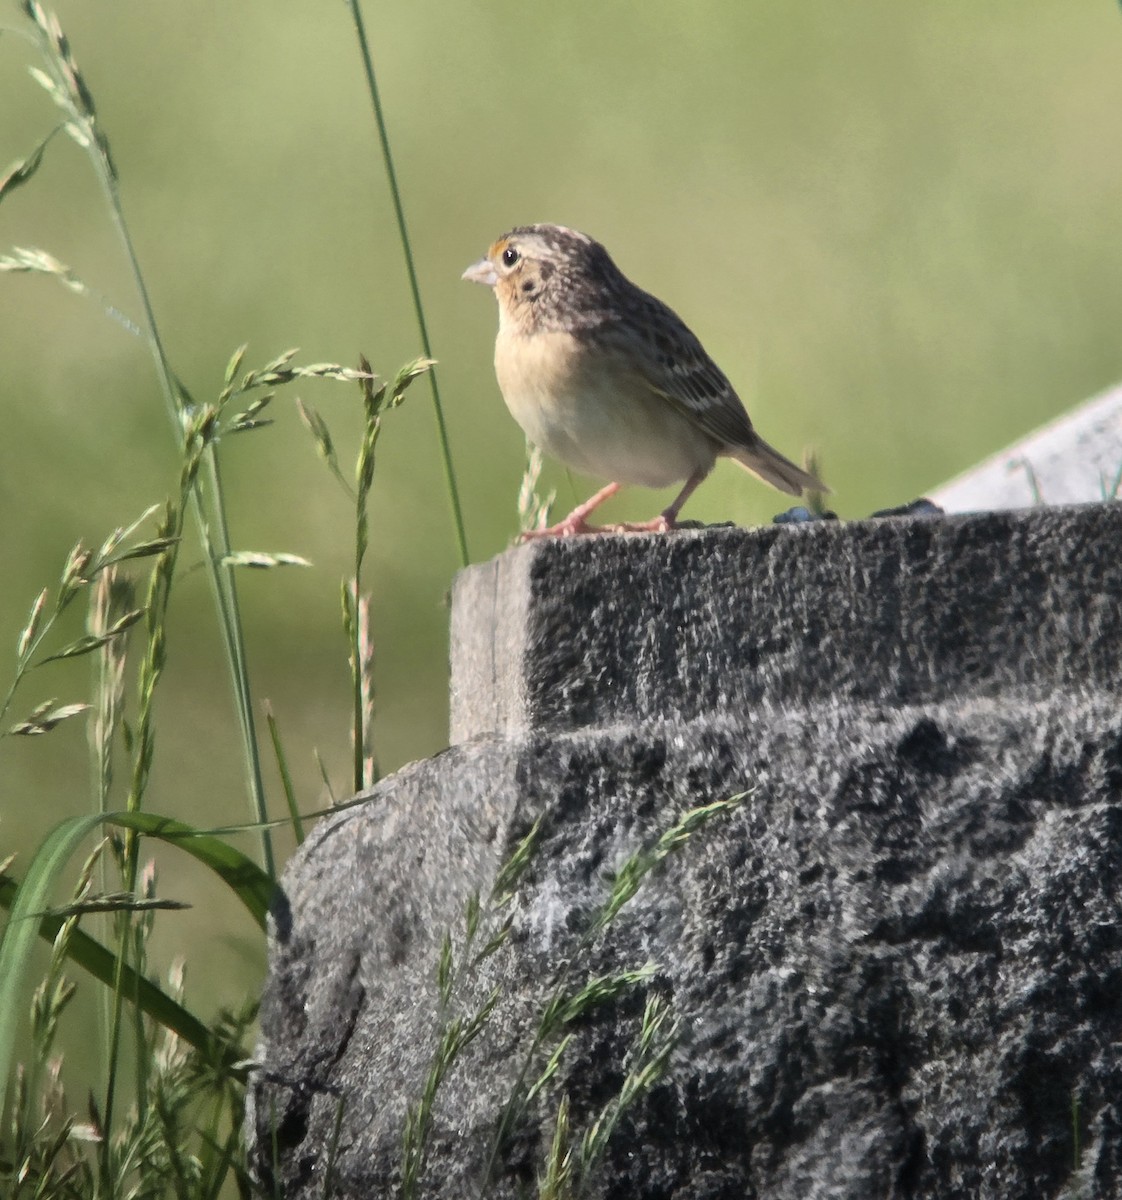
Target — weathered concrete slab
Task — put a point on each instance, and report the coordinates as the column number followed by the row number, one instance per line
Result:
column 1075, row 459
column 570, row 634
column 897, row 966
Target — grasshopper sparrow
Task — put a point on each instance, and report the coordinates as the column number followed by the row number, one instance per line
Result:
column 609, row 380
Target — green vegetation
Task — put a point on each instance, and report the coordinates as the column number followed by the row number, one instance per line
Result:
column 181, row 1130
column 570, row 1166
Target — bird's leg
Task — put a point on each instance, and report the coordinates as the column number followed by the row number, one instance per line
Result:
column 575, row 524
column 668, row 518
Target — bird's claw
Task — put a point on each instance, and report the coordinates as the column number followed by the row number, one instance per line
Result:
column 566, row 528
column 660, row 524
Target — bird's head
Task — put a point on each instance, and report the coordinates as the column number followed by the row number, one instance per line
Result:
column 545, row 276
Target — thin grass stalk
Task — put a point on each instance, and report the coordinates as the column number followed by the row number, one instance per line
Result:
column 350, row 626
column 222, row 578
column 658, row 1038
column 51, row 998
column 54, row 992
column 111, row 597
column 411, row 271
column 558, row 1181
column 41, row 621
column 533, row 509
column 365, row 762
column 372, row 401
column 151, row 671
column 333, row 1150
column 286, row 776
column 629, row 877
column 141, row 932
column 70, row 86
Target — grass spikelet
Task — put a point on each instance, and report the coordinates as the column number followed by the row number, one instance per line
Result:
column 325, row 446
column 533, row 509
column 27, row 634
column 630, row 876
column 67, row 87
column 22, row 170
column 44, row 718
column 33, row 261
column 557, row 1182
column 262, row 562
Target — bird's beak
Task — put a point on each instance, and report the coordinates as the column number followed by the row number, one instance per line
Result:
column 481, row 272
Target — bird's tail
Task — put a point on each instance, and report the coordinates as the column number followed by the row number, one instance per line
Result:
column 766, row 462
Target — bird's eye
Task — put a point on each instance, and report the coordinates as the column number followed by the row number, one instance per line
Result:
column 510, row 256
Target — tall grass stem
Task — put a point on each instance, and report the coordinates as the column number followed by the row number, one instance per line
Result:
column 216, row 549
column 414, row 287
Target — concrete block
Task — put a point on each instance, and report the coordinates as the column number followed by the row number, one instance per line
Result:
column 897, row 966
column 571, row 634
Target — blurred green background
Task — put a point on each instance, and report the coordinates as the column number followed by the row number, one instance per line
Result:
column 896, row 226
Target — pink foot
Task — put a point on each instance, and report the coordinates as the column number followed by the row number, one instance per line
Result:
column 569, row 527
column 660, row 524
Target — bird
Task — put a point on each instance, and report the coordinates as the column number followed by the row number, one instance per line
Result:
column 610, row 380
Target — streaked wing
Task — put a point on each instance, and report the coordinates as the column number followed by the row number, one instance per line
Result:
column 674, row 363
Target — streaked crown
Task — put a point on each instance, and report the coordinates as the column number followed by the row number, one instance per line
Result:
column 550, row 276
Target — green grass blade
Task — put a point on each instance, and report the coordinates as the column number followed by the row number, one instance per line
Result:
column 252, row 886
column 22, row 929
column 101, row 963
column 411, row 271
column 218, row 547
column 286, row 777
